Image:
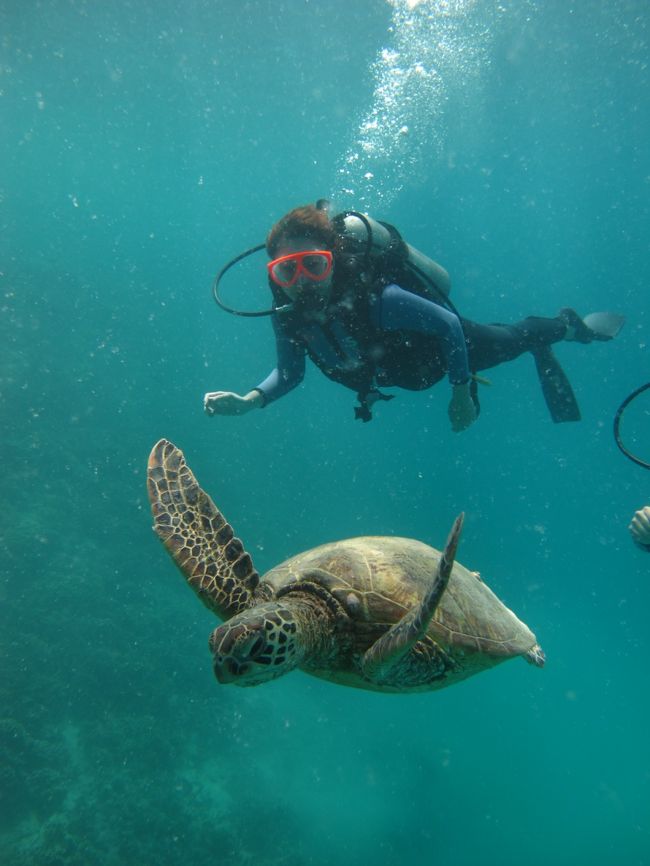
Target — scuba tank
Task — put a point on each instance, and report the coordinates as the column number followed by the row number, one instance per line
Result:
column 380, row 246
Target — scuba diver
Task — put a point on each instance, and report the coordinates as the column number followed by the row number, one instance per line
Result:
column 371, row 311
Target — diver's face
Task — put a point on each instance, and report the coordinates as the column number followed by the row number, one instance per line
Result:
column 313, row 294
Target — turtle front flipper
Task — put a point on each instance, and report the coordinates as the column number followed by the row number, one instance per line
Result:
column 197, row 535
column 380, row 660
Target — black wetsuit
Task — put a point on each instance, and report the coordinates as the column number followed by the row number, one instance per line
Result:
column 404, row 340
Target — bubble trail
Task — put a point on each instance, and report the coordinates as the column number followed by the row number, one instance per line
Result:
column 438, row 46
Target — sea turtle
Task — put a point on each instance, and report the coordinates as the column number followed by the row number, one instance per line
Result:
column 381, row 613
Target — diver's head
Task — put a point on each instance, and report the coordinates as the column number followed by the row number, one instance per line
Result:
column 301, row 247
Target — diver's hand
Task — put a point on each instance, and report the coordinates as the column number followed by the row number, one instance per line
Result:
column 229, row 403
column 640, row 526
column 462, row 411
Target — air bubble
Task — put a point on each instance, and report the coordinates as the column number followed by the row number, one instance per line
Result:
column 439, row 48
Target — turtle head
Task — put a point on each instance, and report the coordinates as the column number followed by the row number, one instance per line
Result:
column 257, row 645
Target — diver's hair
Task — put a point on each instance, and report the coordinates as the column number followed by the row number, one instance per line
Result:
column 308, row 222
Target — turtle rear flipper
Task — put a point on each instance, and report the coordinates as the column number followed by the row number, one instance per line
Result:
column 196, row 534
column 385, row 654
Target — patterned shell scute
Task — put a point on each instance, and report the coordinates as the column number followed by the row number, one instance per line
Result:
column 378, row 579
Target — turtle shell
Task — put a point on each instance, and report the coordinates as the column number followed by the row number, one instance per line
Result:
column 377, row 579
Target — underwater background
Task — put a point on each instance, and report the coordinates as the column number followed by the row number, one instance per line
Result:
column 143, row 145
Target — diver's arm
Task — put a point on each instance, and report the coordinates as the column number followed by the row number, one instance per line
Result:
column 283, row 378
column 402, row 310
column 289, row 370
column 229, row 403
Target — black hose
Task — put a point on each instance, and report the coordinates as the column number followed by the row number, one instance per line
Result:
column 217, row 280
column 617, row 424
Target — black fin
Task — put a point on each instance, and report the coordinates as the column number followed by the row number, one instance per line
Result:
column 557, row 390
column 595, row 326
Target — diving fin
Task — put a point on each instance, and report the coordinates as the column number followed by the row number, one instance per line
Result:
column 556, row 388
column 605, row 326
column 595, row 326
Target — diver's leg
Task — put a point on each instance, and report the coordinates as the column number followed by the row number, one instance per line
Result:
column 490, row 345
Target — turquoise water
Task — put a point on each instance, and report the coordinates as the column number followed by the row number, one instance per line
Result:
column 142, row 145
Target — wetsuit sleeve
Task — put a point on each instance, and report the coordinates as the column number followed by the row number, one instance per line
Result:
column 401, row 310
column 290, row 368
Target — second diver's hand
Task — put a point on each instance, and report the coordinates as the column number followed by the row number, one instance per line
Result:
column 640, row 527
column 461, row 411
column 229, row 403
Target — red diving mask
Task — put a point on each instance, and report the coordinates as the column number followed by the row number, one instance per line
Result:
column 314, row 264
